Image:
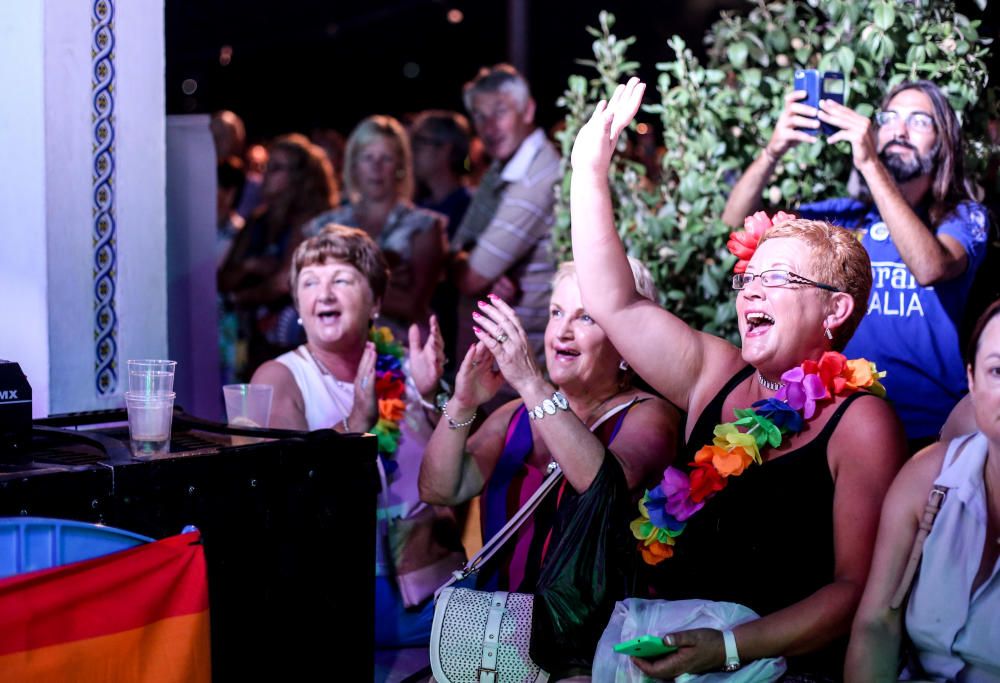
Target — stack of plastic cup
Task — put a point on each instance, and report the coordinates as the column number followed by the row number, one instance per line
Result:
column 150, row 404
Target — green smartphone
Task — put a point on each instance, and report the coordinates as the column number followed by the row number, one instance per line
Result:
column 645, row 646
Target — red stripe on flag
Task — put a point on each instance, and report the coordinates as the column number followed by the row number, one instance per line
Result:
column 105, row 595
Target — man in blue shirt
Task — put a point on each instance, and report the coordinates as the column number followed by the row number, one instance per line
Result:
column 925, row 234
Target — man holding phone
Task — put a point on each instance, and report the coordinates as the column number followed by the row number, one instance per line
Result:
column 917, row 219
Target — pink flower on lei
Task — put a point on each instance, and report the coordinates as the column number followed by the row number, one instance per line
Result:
column 802, row 390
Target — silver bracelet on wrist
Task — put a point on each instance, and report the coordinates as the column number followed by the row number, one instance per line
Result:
column 451, row 421
column 549, row 406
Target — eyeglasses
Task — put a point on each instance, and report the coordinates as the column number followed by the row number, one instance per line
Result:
column 778, row 278
column 918, row 121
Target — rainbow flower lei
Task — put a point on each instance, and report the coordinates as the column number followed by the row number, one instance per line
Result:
column 390, row 390
column 665, row 509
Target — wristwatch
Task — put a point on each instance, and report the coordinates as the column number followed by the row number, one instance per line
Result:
column 732, row 655
column 549, row 406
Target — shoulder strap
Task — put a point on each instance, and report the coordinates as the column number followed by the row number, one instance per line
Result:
column 935, row 499
column 500, row 539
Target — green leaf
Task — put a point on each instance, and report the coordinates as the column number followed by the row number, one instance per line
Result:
column 845, row 56
column 884, row 15
column 737, row 53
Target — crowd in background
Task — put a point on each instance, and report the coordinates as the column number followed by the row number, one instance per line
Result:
column 437, row 228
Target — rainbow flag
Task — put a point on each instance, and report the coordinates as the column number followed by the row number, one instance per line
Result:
column 139, row 615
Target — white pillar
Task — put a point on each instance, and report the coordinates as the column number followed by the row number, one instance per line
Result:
column 50, row 188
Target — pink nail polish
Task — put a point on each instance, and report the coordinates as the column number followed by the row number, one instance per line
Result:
column 477, row 329
column 482, row 303
column 492, row 295
column 475, row 314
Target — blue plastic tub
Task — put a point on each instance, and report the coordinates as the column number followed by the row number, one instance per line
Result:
column 31, row 543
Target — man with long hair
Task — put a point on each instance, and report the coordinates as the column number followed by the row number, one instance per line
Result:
column 917, row 217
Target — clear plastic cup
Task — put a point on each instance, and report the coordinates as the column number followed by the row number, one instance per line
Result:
column 248, row 405
column 150, row 376
column 149, row 419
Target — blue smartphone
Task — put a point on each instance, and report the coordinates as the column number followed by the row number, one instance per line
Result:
column 828, row 85
column 644, row 646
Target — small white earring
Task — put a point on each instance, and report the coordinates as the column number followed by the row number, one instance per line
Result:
column 623, row 366
column 828, row 333
column 298, row 320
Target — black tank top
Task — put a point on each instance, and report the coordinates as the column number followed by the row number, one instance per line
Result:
column 764, row 541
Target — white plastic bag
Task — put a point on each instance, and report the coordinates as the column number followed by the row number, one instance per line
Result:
column 634, row 617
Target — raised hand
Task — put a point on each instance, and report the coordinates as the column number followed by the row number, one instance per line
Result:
column 595, row 143
column 788, row 129
column 477, row 382
column 854, row 128
column 498, row 327
column 427, row 360
column 364, row 412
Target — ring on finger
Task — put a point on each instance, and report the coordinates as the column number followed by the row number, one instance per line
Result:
column 501, row 338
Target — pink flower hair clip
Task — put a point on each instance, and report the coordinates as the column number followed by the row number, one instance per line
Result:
column 743, row 243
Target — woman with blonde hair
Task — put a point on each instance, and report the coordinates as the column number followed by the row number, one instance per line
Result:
column 378, row 181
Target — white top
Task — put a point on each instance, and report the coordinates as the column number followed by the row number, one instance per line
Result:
column 327, row 401
column 957, row 638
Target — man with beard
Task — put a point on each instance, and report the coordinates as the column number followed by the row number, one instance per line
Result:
column 918, row 221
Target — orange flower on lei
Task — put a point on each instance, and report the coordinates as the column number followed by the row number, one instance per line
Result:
column 840, row 375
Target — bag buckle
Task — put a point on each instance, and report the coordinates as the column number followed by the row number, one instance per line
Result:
column 486, row 675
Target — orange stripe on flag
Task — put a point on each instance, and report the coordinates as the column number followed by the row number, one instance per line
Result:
column 110, row 594
column 172, row 650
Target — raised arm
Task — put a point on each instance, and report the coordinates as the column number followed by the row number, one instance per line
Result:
column 607, row 285
column 745, row 196
column 876, row 635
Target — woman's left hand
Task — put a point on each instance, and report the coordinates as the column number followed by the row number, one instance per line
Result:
column 503, row 334
column 698, row 650
column 427, row 361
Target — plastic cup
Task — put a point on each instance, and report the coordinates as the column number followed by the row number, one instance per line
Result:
column 151, row 377
column 248, row 405
column 149, row 420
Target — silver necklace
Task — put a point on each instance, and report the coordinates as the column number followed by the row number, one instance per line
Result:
column 768, row 384
column 326, row 371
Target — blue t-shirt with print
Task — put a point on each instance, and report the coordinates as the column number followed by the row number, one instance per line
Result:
column 910, row 331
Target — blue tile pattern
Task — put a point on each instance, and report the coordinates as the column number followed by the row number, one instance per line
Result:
column 104, row 235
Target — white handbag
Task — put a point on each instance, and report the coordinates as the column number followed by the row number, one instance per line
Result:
column 483, row 637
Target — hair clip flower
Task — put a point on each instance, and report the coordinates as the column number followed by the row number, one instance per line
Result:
column 743, row 243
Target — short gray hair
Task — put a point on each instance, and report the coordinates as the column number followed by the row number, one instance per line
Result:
column 498, row 78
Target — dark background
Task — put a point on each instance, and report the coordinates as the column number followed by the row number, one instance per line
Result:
column 300, row 64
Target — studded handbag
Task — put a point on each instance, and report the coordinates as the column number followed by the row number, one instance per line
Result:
column 482, row 636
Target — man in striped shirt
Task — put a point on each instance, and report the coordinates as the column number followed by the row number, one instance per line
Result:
column 502, row 244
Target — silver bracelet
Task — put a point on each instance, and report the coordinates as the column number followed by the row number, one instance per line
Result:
column 451, row 422
column 549, row 406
